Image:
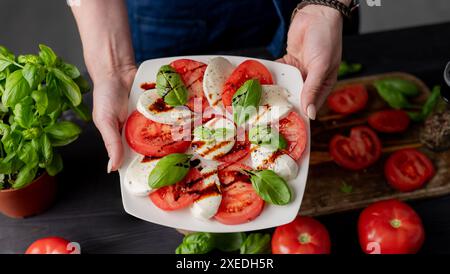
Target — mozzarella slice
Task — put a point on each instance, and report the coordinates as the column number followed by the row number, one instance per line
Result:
column 215, row 148
column 274, row 105
column 216, row 74
column 267, row 157
column 153, row 107
column 136, row 176
column 207, row 205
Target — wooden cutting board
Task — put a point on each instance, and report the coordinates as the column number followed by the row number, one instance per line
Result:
column 324, row 193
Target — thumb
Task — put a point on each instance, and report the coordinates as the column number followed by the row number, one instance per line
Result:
column 110, row 132
column 314, row 91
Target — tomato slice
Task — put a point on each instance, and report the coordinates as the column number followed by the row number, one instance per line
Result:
column 229, row 174
column 240, row 151
column 192, row 73
column 51, row 245
column 408, row 169
column 240, row 204
column 304, row 235
column 179, row 195
column 249, row 69
column 389, row 121
column 293, row 129
column 348, row 100
column 151, row 138
column 359, row 151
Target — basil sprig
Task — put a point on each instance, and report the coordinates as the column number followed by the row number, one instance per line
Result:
column 246, row 100
column 256, row 243
column 170, row 86
column 265, row 135
column 428, row 106
column 348, row 68
column 169, row 170
column 270, row 186
column 207, row 134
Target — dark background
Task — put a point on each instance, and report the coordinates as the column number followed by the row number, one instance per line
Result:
column 89, row 210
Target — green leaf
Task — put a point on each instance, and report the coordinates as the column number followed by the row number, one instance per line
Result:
column 47, row 55
column 256, row 243
column 53, row 98
column 11, row 141
column 28, row 154
column 55, row 166
column 402, row 86
column 5, row 167
column 46, row 148
column 393, row 97
column 346, row 188
column 26, row 175
column 270, row 187
column 246, row 100
column 62, row 133
column 34, row 74
column 83, row 112
column 41, row 99
column 29, row 59
column 266, row 135
column 69, row 88
column 83, row 84
column 428, row 107
column 196, row 243
column 6, row 58
column 228, row 242
column 69, row 70
column 169, row 170
column 347, row 68
column 170, row 86
column 16, row 88
column 23, row 112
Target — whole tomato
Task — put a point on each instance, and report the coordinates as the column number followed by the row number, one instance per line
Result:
column 52, row 245
column 390, row 227
column 304, row 235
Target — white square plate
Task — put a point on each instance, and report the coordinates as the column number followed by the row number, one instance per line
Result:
column 284, row 75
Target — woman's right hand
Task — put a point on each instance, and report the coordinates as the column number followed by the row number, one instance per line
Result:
column 110, row 110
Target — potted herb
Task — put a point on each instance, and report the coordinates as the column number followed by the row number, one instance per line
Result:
column 35, row 90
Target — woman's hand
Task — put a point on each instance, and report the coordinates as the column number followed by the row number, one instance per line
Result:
column 315, row 46
column 110, row 111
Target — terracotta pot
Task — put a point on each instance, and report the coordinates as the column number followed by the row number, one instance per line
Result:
column 30, row 200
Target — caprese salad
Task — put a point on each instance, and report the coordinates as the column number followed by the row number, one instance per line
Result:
column 215, row 138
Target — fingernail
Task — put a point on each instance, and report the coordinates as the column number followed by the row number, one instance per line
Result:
column 311, row 111
column 109, row 167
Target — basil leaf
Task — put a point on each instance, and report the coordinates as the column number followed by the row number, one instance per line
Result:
column 69, row 87
column 55, row 166
column 246, row 100
column 427, row 107
column 169, row 170
column 393, row 97
column 6, row 58
column 62, row 133
column 26, row 175
column 23, row 112
column 34, row 74
column 47, row 55
column 196, row 243
column 265, row 135
column 203, row 133
column 347, row 68
column 402, row 86
column 16, row 88
column 256, row 243
column 83, row 84
column 11, row 141
column 228, row 242
column 170, row 86
column 83, row 112
column 46, row 148
column 270, row 187
column 29, row 59
column 54, row 100
column 5, row 167
column 28, row 154
column 69, row 70
column 41, row 100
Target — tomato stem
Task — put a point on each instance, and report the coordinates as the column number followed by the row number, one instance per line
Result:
column 396, row 223
column 304, row 238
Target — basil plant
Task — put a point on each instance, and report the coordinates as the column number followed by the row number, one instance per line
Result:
column 35, row 90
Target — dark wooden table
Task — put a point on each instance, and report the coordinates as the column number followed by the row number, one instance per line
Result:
column 89, row 207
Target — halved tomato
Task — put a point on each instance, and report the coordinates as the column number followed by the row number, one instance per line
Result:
column 292, row 128
column 348, row 100
column 229, row 174
column 389, row 121
column 408, row 169
column 240, row 204
column 250, row 69
column 179, row 195
column 359, row 151
column 240, row 151
column 151, row 138
column 191, row 73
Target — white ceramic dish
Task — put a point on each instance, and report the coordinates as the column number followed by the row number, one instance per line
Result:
column 271, row 216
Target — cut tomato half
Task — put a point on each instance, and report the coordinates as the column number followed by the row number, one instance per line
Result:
column 348, row 100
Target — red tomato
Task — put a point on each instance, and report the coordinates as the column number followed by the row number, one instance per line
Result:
column 179, row 195
column 304, row 235
column 151, row 138
column 389, row 121
column 191, row 73
column 348, row 100
column 240, row 203
column 50, row 245
column 240, row 151
column 390, row 227
column 292, row 127
column 359, row 151
column 250, row 69
column 229, row 174
column 408, row 169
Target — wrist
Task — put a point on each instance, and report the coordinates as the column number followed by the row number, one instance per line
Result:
column 108, row 65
